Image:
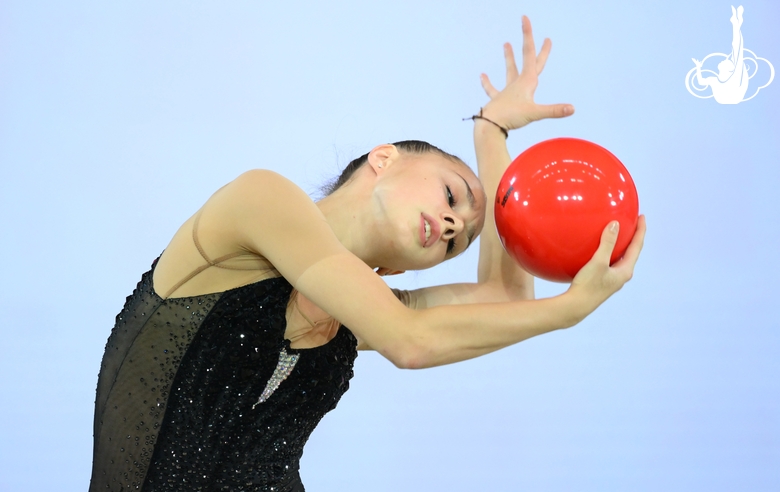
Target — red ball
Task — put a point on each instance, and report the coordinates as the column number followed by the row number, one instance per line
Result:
column 555, row 200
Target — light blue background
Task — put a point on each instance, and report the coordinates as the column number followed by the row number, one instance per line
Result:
column 118, row 120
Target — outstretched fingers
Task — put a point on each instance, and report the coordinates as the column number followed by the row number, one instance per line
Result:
column 553, row 111
column 511, row 66
column 516, row 101
column 529, row 48
column 489, row 89
column 541, row 60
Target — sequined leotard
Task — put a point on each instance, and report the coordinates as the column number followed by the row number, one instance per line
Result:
column 204, row 393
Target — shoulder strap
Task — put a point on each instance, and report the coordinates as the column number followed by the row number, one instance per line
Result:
column 209, row 261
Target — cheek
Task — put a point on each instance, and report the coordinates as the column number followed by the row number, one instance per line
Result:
column 414, row 194
column 401, row 194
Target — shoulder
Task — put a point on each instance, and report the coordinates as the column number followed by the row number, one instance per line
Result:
column 259, row 184
column 264, row 213
column 259, row 194
column 261, row 177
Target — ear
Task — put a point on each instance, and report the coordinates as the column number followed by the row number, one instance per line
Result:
column 384, row 272
column 382, row 157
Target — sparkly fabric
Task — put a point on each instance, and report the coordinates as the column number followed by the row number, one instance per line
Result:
column 178, row 382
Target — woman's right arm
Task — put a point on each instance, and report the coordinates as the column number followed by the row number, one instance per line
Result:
column 265, row 213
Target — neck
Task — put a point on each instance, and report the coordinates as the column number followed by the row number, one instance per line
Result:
column 347, row 212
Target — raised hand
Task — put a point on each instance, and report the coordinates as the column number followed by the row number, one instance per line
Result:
column 514, row 106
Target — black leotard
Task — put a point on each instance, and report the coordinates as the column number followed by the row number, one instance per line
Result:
column 177, row 397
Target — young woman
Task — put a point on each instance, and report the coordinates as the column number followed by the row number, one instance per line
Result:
column 235, row 344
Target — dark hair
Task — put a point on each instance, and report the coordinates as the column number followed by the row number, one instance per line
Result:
column 408, row 146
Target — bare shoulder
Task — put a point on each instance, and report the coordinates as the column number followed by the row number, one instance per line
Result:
column 264, row 177
column 267, row 214
column 259, row 198
column 263, row 185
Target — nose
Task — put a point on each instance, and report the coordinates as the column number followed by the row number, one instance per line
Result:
column 452, row 226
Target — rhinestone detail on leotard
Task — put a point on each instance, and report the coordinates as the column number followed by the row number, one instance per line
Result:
column 283, row 369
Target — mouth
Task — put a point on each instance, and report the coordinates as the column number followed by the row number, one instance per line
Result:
column 429, row 230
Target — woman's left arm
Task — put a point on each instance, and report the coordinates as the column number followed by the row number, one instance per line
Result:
column 499, row 277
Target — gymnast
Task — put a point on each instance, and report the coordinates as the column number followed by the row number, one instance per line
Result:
column 243, row 333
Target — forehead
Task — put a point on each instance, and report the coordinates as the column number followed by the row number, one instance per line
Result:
column 449, row 165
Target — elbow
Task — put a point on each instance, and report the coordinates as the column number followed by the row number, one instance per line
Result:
column 413, row 345
column 410, row 355
column 409, row 362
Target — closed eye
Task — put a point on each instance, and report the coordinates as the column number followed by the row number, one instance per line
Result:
column 451, row 200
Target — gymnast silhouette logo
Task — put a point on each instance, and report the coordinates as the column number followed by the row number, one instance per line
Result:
column 730, row 84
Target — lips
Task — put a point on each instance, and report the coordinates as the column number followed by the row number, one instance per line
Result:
column 435, row 230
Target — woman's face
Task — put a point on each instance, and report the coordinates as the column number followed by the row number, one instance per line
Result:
column 429, row 209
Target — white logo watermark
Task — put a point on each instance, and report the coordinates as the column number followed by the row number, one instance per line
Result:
column 730, row 83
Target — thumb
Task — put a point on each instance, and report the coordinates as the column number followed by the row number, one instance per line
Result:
column 607, row 245
column 553, row 111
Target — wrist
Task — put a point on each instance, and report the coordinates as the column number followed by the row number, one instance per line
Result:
column 484, row 129
column 577, row 306
column 485, row 122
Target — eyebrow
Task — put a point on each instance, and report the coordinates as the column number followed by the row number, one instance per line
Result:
column 470, row 196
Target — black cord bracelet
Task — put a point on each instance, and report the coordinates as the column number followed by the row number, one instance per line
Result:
column 480, row 117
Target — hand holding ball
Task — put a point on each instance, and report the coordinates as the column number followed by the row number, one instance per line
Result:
column 555, row 200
